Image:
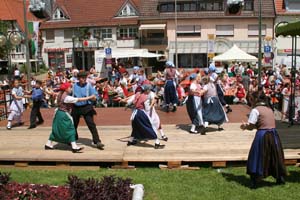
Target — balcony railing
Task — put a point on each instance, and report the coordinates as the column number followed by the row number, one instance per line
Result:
column 154, row 41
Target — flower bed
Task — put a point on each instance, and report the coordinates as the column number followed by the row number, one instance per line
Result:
column 109, row 187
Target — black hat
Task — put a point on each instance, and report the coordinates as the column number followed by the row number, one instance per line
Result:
column 82, row 74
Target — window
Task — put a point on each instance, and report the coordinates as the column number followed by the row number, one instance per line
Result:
column 253, row 30
column 167, row 7
column 128, row 10
column 224, row 30
column 186, row 6
column 189, row 30
column 68, row 33
column 192, row 60
column 292, row 5
column 50, row 36
column 248, row 5
column 106, row 33
column 128, row 33
column 200, row 5
column 56, row 59
column 58, row 15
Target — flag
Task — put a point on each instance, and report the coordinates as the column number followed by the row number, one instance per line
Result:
column 33, row 29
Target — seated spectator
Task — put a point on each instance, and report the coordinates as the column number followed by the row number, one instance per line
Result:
column 181, row 94
column 159, row 90
column 240, row 94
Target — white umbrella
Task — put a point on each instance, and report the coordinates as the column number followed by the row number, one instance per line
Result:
column 235, row 54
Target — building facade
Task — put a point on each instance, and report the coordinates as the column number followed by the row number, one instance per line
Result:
column 286, row 11
column 187, row 32
column 12, row 29
column 77, row 29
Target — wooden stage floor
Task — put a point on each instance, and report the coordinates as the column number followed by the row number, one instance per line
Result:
column 23, row 147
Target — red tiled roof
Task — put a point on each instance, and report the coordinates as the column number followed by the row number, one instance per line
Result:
column 92, row 13
column 13, row 10
column 280, row 8
column 148, row 10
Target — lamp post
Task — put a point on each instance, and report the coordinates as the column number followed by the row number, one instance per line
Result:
column 28, row 65
column 259, row 43
column 73, row 51
column 176, row 53
column 11, row 39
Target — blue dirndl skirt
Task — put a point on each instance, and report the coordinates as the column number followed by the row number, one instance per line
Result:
column 170, row 93
column 141, row 126
column 213, row 111
column 266, row 155
column 194, row 109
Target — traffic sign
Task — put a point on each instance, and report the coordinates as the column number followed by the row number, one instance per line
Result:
column 267, row 49
column 108, row 51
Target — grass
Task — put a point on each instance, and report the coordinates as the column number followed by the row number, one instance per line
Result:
column 206, row 183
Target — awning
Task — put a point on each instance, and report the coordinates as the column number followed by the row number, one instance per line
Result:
column 288, row 28
column 127, row 53
column 152, row 27
column 22, row 60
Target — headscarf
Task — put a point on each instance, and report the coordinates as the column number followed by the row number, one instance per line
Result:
column 136, row 68
column 65, row 86
column 170, row 64
column 146, row 87
column 193, row 76
column 212, row 68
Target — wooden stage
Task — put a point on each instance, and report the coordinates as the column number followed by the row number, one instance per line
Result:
column 23, row 147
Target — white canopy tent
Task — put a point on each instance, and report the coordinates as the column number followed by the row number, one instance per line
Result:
column 235, row 54
column 122, row 53
column 128, row 53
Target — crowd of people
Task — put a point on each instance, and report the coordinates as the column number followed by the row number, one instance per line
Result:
column 206, row 93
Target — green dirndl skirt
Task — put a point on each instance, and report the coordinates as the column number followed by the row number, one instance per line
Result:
column 63, row 129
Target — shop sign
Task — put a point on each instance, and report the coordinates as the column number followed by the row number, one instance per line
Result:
column 69, row 58
column 47, row 50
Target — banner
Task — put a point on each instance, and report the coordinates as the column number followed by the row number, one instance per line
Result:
column 33, row 28
column 99, row 61
column 210, row 45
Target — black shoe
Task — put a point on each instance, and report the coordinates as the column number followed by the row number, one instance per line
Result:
column 166, row 109
column 253, row 184
column 48, row 147
column 129, row 143
column 40, row 122
column 229, row 110
column 280, row 181
column 159, row 146
column 203, row 131
column 98, row 145
column 32, row 126
column 77, row 150
column 20, row 123
column 174, row 109
column 165, row 138
column 220, row 129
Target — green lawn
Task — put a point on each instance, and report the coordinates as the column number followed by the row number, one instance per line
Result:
column 206, row 183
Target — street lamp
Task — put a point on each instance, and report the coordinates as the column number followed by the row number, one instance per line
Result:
column 73, row 50
column 176, row 51
column 259, row 43
column 28, row 64
column 10, row 40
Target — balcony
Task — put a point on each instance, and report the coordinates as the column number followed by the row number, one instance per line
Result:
column 154, row 41
column 128, row 43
